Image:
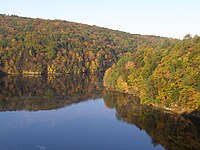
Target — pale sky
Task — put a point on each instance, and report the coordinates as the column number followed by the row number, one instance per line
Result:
column 169, row 18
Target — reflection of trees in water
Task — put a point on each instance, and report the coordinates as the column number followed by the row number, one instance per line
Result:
column 42, row 93
column 172, row 131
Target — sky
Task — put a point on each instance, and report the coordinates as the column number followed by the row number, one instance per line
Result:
column 168, row 18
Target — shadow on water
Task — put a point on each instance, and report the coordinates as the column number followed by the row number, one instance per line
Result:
column 34, row 93
column 172, row 131
column 2, row 74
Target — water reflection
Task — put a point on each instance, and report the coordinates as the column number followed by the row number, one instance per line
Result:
column 90, row 124
column 45, row 93
column 172, row 131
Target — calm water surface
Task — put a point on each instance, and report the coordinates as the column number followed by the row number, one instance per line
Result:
column 87, row 125
column 73, row 113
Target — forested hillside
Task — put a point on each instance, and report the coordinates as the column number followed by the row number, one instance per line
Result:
column 167, row 76
column 36, row 46
column 161, row 71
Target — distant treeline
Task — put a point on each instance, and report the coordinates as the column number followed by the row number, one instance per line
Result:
column 36, row 46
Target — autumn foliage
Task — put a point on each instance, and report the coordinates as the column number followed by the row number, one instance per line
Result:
column 167, row 76
column 38, row 46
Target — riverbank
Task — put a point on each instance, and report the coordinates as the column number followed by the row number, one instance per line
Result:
column 173, row 109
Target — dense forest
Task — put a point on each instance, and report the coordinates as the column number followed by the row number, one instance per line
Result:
column 38, row 46
column 167, row 76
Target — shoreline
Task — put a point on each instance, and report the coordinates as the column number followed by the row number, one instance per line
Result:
column 175, row 110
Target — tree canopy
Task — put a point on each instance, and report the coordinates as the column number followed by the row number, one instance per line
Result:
column 166, row 75
column 36, row 46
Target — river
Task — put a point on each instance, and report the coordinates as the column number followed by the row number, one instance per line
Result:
column 75, row 112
